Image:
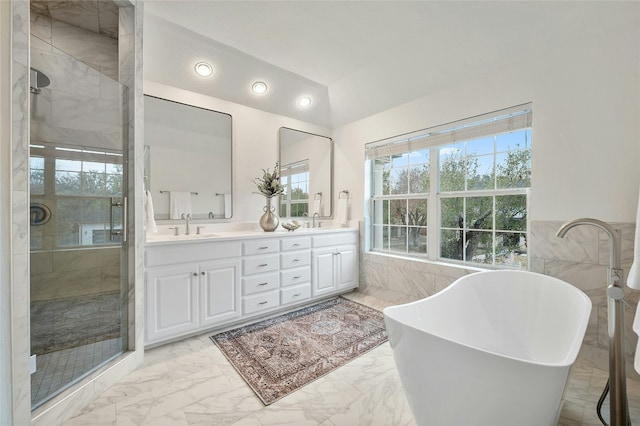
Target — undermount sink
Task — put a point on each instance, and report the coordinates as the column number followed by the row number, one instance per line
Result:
column 196, row 236
column 171, row 237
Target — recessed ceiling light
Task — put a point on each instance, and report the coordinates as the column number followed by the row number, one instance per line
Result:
column 259, row 88
column 304, row 101
column 203, row 69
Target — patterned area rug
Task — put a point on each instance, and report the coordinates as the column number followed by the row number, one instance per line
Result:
column 280, row 355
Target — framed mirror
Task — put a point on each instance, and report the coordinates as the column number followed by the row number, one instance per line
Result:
column 187, row 160
column 306, row 171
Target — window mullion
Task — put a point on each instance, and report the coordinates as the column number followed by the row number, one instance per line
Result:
column 433, row 207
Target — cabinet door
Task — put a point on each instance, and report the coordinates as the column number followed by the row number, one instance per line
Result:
column 171, row 301
column 323, row 274
column 347, row 267
column 219, row 291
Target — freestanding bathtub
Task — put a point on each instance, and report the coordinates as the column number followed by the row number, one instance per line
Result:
column 493, row 348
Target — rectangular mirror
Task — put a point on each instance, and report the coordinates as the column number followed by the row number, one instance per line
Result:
column 187, row 160
column 306, row 171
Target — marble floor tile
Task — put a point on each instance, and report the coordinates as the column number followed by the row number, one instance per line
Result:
column 190, row 383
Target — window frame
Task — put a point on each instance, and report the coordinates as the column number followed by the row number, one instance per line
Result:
column 286, row 173
column 51, row 153
column 434, row 198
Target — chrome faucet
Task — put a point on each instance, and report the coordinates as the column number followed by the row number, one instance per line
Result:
column 186, row 217
column 313, row 219
column 615, row 307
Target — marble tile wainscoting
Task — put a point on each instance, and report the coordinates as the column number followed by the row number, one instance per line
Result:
column 580, row 258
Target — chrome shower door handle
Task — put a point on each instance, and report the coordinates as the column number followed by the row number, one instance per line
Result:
column 113, row 233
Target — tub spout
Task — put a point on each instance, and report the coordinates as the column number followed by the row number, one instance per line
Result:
column 614, row 237
column 615, row 308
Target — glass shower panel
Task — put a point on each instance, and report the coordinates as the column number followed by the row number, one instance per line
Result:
column 77, row 192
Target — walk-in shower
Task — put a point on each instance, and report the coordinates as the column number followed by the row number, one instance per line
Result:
column 78, row 185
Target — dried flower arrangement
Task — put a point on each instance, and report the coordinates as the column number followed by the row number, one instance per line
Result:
column 269, row 184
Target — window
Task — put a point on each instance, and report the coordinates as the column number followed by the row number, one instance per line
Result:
column 295, row 179
column 457, row 192
column 80, row 183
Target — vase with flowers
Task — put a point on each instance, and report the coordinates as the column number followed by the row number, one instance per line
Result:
column 269, row 185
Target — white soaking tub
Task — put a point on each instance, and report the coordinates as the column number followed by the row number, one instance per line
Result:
column 494, row 348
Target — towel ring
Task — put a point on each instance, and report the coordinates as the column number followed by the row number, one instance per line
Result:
column 317, row 196
column 346, row 193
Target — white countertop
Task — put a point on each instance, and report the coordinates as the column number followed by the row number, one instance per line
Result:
column 157, row 239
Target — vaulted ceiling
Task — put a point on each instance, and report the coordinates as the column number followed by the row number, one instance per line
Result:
column 354, row 58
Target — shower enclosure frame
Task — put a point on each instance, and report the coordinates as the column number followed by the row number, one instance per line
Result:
column 77, row 140
column 15, row 408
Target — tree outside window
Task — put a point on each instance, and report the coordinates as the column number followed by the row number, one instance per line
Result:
column 477, row 186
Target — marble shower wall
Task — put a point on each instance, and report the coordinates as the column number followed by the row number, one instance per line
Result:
column 69, row 273
column 83, row 106
column 581, row 258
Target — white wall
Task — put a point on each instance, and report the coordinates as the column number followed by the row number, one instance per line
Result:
column 255, row 143
column 586, row 125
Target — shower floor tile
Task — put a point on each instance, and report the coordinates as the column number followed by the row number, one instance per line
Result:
column 55, row 370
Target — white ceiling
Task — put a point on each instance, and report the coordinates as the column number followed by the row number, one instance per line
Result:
column 356, row 58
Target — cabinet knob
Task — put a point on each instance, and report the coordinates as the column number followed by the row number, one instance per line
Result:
column 297, row 294
column 263, row 264
column 263, row 248
column 263, row 283
column 203, row 273
column 263, row 303
column 297, row 277
column 195, row 274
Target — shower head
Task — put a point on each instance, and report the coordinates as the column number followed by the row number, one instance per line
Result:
column 38, row 81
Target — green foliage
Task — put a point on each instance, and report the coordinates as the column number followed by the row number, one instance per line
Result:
column 467, row 222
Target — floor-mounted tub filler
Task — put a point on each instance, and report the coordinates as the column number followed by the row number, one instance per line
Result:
column 494, row 348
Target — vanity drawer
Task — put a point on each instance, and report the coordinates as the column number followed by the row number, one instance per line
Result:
column 183, row 253
column 295, row 294
column 258, row 283
column 260, row 264
column 295, row 276
column 260, row 246
column 259, row 302
column 335, row 239
column 287, row 244
column 295, row 259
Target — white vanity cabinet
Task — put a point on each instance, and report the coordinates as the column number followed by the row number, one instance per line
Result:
column 335, row 263
column 194, row 286
column 171, row 301
column 184, row 296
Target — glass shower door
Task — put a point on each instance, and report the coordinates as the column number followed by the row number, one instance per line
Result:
column 78, row 252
